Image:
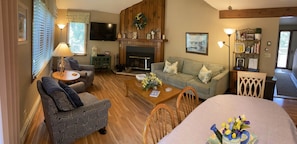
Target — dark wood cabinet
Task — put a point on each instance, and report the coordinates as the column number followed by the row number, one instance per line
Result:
column 101, row 62
column 233, row 82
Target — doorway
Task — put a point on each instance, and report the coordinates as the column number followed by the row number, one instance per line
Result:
column 286, row 48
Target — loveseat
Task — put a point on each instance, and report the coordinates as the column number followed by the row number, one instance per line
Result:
column 188, row 75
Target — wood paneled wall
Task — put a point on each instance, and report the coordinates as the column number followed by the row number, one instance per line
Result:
column 154, row 11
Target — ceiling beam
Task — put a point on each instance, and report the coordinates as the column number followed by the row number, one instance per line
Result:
column 259, row 13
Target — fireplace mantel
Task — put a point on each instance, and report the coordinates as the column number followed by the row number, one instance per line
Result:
column 158, row 44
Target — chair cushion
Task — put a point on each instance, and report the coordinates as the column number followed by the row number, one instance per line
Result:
column 72, row 94
column 205, row 74
column 74, row 64
column 57, row 93
column 170, row 67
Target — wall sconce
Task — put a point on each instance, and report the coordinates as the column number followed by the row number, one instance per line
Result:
column 61, row 27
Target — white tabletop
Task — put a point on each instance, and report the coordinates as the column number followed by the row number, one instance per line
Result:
column 269, row 122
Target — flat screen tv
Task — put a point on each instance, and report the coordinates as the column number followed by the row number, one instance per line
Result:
column 103, row 31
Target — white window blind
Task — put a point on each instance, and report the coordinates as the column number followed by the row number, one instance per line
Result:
column 42, row 39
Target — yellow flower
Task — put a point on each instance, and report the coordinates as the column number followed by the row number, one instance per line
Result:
column 227, row 132
column 230, row 120
column 223, row 125
column 234, row 135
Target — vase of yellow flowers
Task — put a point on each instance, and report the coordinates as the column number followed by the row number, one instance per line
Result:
column 151, row 81
column 234, row 131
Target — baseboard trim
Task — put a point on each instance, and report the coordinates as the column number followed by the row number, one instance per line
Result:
column 24, row 130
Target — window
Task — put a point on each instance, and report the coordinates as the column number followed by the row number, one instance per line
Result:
column 42, row 39
column 283, row 49
column 77, row 37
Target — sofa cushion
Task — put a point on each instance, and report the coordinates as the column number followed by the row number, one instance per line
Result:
column 201, row 88
column 215, row 68
column 180, row 62
column 74, row 98
column 191, row 67
column 205, row 75
column 170, row 67
column 179, row 80
column 57, row 93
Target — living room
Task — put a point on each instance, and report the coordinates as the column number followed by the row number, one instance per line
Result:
column 180, row 17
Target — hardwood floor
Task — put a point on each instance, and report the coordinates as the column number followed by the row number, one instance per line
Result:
column 127, row 115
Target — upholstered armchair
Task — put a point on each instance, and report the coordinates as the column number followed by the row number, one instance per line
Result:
column 68, row 118
column 86, row 72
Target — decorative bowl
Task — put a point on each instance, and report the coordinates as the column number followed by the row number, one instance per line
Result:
column 140, row 77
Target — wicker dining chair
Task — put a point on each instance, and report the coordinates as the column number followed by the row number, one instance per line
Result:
column 158, row 124
column 186, row 102
column 251, row 84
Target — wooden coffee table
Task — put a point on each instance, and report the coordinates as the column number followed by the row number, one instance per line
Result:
column 135, row 86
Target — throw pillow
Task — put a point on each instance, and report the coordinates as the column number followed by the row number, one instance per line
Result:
column 72, row 94
column 74, row 64
column 170, row 67
column 57, row 93
column 205, row 75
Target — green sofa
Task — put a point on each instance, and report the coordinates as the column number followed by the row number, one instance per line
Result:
column 187, row 75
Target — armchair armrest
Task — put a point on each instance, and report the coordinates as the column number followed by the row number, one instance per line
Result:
column 78, row 87
column 219, row 83
column 157, row 66
column 91, row 105
column 87, row 67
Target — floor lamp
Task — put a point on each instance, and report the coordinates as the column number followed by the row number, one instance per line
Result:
column 229, row 32
column 62, row 50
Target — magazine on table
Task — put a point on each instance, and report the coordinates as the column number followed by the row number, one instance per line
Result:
column 155, row 93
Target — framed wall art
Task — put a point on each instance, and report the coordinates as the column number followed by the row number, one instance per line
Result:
column 239, row 62
column 22, row 23
column 197, row 43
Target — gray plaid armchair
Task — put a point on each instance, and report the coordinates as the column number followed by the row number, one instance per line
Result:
column 66, row 126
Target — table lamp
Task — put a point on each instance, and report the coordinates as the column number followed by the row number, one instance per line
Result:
column 62, row 50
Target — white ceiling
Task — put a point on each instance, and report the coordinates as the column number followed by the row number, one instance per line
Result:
column 115, row 6
column 110, row 6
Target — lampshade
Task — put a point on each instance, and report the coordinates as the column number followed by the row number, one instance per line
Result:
column 229, row 31
column 221, row 43
column 61, row 26
column 62, row 50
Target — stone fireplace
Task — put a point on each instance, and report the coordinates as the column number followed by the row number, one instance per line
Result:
column 139, row 57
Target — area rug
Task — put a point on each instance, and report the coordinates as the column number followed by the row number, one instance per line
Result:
column 285, row 86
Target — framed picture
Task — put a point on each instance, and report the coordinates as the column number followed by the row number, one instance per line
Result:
column 239, row 47
column 22, row 23
column 197, row 43
column 239, row 62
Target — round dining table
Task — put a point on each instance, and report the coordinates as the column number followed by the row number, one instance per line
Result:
column 269, row 123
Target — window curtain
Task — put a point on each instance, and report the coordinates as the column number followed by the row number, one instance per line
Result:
column 75, row 16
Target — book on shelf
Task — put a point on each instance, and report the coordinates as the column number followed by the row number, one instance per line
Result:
column 155, row 93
